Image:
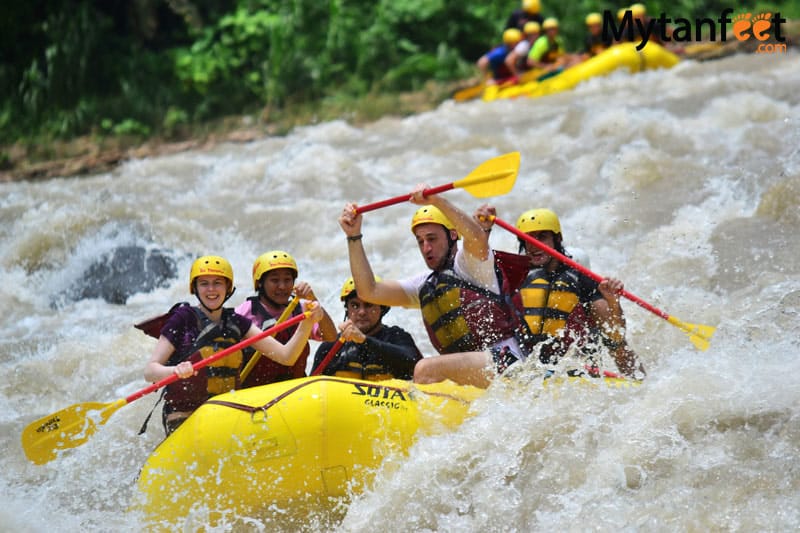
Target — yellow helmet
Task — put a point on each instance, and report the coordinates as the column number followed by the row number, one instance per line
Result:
column 428, row 214
column 538, row 220
column 512, row 36
column 550, row 23
column 594, row 18
column 272, row 260
column 531, row 28
column 350, row 286
column 638, row 10
column 211, row 265
column 531, row 6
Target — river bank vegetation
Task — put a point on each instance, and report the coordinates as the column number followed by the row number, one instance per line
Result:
column 100, row 75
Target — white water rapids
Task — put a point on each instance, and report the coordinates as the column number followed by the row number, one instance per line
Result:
column 684, row 183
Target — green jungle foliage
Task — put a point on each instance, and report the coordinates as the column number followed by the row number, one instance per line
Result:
column 71, row 67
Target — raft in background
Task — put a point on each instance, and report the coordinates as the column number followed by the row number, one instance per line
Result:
column 295, row 446
column 624, row 55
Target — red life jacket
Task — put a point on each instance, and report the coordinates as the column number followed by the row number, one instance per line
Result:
column 266, row 370
column 461, row 317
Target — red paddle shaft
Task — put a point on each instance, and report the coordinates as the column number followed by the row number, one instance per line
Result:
column 577, row 266
column 219, row 355
column 403, row 198
column 328, row 357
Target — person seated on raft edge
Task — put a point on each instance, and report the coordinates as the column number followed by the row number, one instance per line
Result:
column 372, row 351
column 594, row 43
column 192, row 333
column 466, row 317
column 517, row 60
column 529, row 12
column 274, row 280
column 561, row 306
column 494, row 60
column 548, row 52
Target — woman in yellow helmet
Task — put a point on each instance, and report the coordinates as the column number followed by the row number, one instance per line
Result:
column 372, row 350
column 275, row 281
column 192, row 333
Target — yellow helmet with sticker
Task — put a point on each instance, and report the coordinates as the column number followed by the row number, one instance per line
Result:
column 211, row 265
column 538, row 220
column 272, row 260
column 349, row 287
column 428, row 214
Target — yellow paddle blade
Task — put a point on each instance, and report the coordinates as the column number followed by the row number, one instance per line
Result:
column 699, row 334
column 68, row 428
column 494, row 177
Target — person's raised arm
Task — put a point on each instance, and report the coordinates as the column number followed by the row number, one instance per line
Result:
column 386, row 292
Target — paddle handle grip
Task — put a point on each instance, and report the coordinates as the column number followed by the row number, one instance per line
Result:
column 403, row 198
column 219, row 355
column 328, row 357
column 577, row 266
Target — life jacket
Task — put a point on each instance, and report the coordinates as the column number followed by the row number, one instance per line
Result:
column 596, row 44
column 266, row 370
column 218, row 377
column 553, row 52
column 352, row 365
column 554, row 316
column 461, row 317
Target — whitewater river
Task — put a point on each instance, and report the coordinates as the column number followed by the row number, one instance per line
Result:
column 684, row 183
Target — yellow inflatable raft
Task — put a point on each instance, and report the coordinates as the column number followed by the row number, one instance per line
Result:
column 293, row 446
column 624, row 55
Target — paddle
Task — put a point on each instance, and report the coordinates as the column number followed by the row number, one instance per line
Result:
column 71, row 427
column 494, row 177
column 699, row 334
column 328, row 357
column 256, row 356
column 469, row 93
column 475, row 91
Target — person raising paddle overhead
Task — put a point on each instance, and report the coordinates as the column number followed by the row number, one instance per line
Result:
column 192, row 333
column 465, row 314
column 371, row 350
column 275, row 280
